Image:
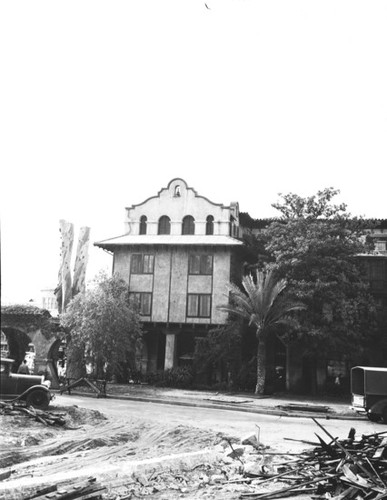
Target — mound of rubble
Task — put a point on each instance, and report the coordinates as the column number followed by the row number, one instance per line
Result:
column 88, row 457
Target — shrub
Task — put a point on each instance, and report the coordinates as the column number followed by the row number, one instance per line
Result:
column 154, row 378
column 180, row 377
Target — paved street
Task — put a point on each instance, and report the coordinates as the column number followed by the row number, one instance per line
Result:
column 273, row 429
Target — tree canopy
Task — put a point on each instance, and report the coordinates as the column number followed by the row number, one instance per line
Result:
column 104, row 323
column 314, row 245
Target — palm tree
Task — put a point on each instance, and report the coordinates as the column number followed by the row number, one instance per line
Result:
column 262, row 303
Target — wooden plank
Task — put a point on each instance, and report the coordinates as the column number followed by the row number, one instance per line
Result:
column 81, row 491
column 380, row 451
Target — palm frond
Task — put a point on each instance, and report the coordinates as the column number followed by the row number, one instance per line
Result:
column 260, row 300
column 242, row 313
column 281, row 308
column 272, row 288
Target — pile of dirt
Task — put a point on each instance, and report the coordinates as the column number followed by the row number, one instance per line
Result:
column 19, row 433
column 33, row 454
column 74, row 415
column 130, row 457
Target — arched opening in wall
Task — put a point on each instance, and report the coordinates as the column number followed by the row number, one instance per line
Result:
column 143, row 223
column 233, row 230
column 188, row 226
column 20, row 347
column 210, row 225
column 164, row 226
column 57, row 359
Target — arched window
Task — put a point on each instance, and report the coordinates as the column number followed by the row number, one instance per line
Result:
column 188, row 225
column 143, row 221
column 164, row 225
column 210, row 225
column 231, row 226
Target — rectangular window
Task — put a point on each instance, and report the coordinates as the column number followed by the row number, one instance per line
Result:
column 148, row 264
column 143, row 301
column 194, row 264
column 142, row 263
column 206, row 264
column 193, row 305
column 199, row 305
column 136, row 263
column 200, row 264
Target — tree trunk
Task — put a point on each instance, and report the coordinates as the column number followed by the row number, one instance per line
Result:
column 79, row 278
column 75, row 364
column 64, row 286
column 261, row 366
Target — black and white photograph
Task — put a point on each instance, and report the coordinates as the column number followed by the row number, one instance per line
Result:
column 193, row 249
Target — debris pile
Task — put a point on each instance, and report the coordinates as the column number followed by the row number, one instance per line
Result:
column 90, row 490
column 351, row 468
column 44, row 417
column 169, row 462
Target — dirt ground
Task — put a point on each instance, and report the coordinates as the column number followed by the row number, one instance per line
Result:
column 132, row 458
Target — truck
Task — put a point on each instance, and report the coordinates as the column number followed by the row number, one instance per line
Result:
column 369, row 392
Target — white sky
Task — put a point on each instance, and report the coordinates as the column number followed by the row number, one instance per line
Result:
column 103, row 103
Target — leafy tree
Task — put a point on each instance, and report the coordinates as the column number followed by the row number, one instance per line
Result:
column 255, row 253
column 263, row 304
column 105, row 324
column 220, row 348
column 313, row 207
column 315, row 245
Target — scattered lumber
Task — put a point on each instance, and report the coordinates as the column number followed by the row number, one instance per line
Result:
column 89, row 489
column 305, row 407
column 353, row 468
column 345, row 469
column 20, row 408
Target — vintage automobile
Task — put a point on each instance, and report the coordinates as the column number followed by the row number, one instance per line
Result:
column 34, row 390
column 369, row 392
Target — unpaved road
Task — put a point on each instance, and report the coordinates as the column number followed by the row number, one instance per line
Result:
column 168, row 451
column 273, row 429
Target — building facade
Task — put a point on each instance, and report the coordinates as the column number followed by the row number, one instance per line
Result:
column 305, row 374
column 178, row 254
column 376, row 263
column 376, row 268
column 49, row 302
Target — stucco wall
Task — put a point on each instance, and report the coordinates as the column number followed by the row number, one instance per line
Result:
column 170, row 282
column 176, row 208
column 222, row 268
column 161, row 286
column 121, row 263
column 178, row 290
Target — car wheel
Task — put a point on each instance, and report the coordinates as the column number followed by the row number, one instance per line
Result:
column 39, row 399
column 373, row 417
